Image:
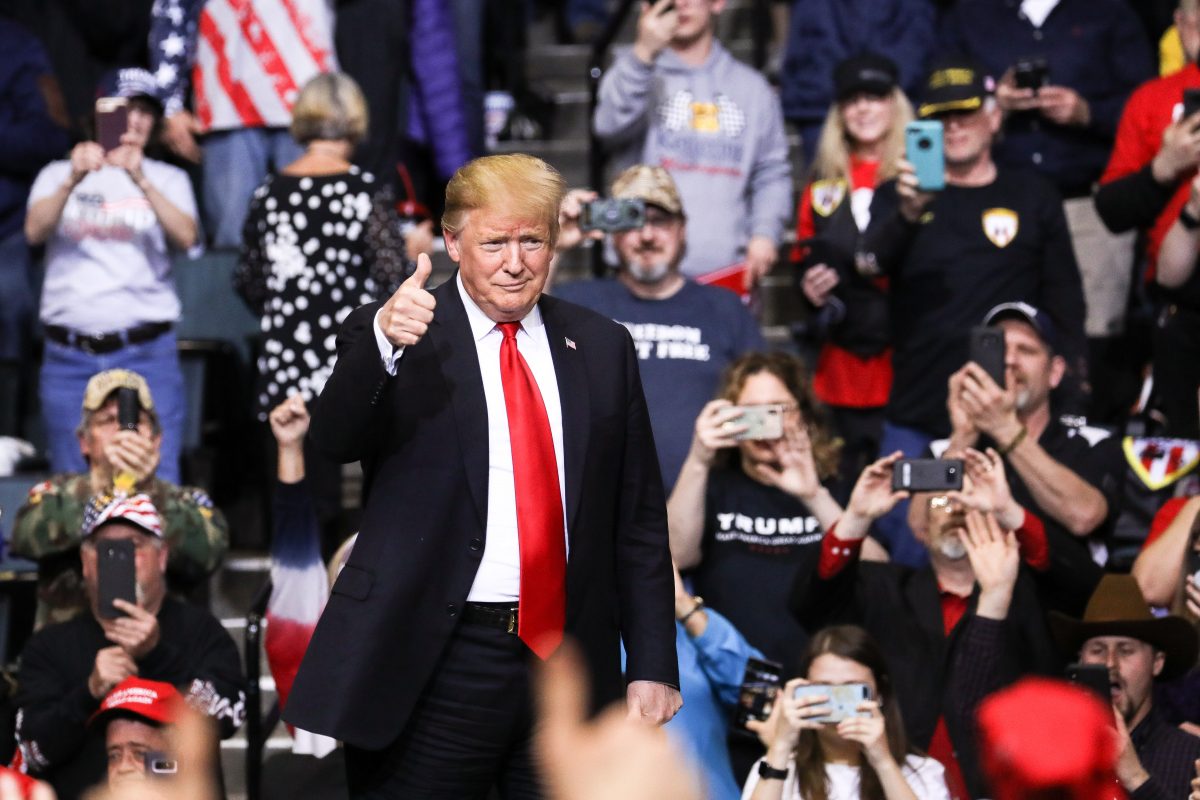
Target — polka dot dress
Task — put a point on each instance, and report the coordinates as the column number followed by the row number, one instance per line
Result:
column 314, row 249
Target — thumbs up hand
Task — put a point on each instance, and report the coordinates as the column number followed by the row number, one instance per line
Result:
column 406, row 315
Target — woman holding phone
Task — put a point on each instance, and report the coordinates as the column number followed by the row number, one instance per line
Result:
column 751, row 497
column 864, row 754
column 861, row 143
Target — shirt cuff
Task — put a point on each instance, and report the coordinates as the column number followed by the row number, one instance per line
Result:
column 836, row 553
column 389, row 354
column 1031, row 536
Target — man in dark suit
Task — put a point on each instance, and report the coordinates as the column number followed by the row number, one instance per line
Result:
column 512, row 496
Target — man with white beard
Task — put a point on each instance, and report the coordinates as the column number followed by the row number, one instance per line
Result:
column 685, row 333
column 1065, row 473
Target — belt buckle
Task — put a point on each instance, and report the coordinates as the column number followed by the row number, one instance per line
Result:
column 512, row 621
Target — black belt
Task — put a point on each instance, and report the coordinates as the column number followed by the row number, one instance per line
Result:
column 494, row 615
column 99, row 343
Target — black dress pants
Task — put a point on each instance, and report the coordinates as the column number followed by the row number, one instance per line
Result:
column 469, row 733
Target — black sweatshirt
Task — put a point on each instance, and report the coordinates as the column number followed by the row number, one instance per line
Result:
column 947, row 274
column 194, row 653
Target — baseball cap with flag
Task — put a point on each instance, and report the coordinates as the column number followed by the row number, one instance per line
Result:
column 136, row 509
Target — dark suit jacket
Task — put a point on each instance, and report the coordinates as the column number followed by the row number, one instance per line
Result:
column 901, row 608
column 422, row 437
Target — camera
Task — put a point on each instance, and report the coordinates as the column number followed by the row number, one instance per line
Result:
column 613, row 214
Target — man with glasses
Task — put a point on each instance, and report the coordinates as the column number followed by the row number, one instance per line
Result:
column 685, row 333
column 992, row 235
column 68, row 668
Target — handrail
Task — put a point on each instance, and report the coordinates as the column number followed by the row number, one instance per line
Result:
column 256, row 731
column 596, row 156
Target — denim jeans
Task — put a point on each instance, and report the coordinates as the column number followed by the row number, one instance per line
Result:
column 235, row 164
column 17, row 299
column 892, row 530
column 65, row 373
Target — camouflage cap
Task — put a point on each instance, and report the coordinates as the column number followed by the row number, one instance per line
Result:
column 654, row 185
column 105, row 383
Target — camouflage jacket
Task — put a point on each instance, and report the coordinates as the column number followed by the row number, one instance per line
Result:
column 51, row 520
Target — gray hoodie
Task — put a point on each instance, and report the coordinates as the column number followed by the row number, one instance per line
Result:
column 718, row 129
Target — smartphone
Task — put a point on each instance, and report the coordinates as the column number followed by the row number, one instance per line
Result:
column 927, row 475
column 1091, row 676
column 1031, row 73
column 612, row 215
column 116, row 575
column 923, row 149
column 112, row 120
column 844, row 699
column 128, row 408
column 761, row 421
column 760, row 682
column 987, row 350
column 1191, row 102
column 159, row 764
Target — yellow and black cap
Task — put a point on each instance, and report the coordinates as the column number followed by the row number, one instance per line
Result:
column 954, row 84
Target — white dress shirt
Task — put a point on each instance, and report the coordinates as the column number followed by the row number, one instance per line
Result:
column 499, row 575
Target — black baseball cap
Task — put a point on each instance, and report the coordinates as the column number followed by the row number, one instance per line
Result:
column 865, row 72
column 1033, row 317
column 954, row 84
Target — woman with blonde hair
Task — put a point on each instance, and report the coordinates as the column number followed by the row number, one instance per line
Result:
column 751, row 501
column 860, row 146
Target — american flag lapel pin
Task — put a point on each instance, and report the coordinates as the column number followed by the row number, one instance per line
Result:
column 570, row 342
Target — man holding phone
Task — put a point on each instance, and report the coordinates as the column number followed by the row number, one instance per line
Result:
column 133, row 628
column 992, row 235
column 47, row 528
column 1068, row 475
column 685, row 333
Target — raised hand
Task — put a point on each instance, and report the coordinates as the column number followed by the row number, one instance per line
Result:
column 996, row 559
column 795, row 471
column 991, row 408
column 716, row 428
column 406, row 315
column 85, row 157
column 111, row 666
column 869, row 732
column 1179, row 151
column 819, row 282
column 798, row 714
column 137, row 633
column 289, row 421
column 988, row 490
column 569, row 211
column 655, row 29
column 913, row 201
column 871, row 498
column 1064, row 105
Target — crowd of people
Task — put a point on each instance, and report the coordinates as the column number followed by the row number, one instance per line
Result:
column 541, row 454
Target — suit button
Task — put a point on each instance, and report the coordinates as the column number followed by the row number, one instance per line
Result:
column 451, row 609
column 476, row 544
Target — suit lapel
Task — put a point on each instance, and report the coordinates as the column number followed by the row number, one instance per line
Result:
column 450, row 335
column 576, row 410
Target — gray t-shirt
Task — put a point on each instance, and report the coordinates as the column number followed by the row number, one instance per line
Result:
column 107, row 261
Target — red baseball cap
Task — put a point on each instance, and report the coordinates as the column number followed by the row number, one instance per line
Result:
column 1044, row 734
column 153, row 700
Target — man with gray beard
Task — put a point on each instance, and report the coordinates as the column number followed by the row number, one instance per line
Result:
column 685, row 333
column 1064, row 472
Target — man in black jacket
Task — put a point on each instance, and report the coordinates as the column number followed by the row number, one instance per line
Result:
column 68, row 668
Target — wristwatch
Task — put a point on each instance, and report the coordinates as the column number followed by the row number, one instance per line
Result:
column 767, row 772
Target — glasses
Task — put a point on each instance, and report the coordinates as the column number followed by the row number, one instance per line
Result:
column 661, row 221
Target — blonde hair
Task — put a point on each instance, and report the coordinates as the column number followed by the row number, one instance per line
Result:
column 523, row 185
column 330, row 106
column 832, row 160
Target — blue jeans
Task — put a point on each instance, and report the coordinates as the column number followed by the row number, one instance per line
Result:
column 65, row 373
column 891, row 530
column 17, row 299
column 235, row 163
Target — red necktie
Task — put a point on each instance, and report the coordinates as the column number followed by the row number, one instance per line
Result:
column 539, row 504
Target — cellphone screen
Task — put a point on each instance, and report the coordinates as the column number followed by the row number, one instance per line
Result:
column 116, row 575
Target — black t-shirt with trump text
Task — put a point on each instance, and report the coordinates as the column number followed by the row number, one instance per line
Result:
column 756, row 539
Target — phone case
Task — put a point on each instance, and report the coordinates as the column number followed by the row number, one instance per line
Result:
column 923, row 149
column 927, row 475
column 843, row 699
column 988, row 351
column 759, row 683
column 116, row 575
column 112, row 120
column 761, row 421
